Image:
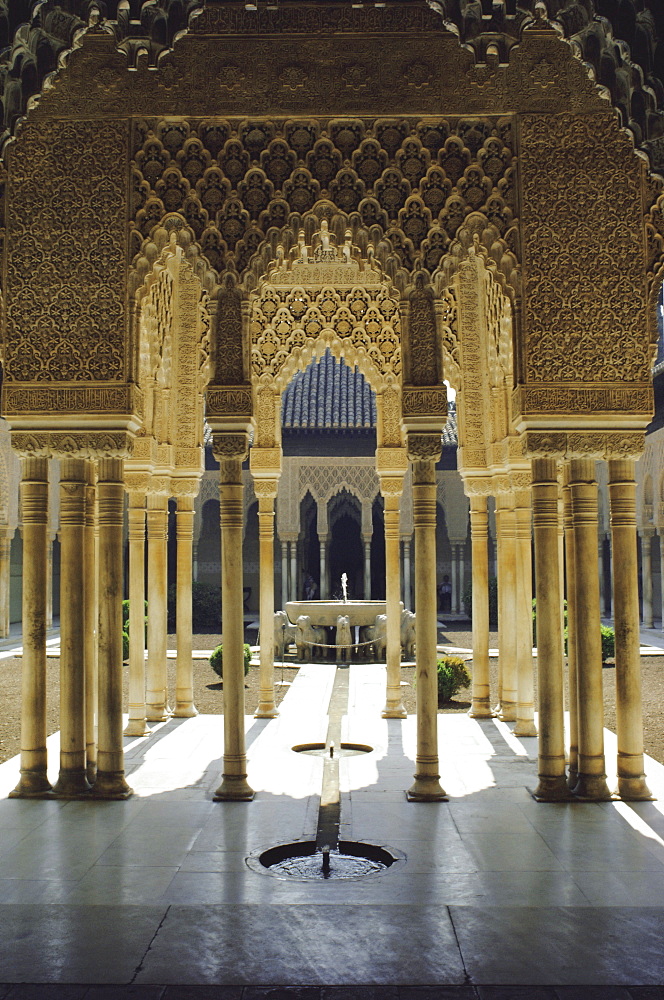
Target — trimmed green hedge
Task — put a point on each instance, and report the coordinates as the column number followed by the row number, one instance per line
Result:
column 453, row 675
column 216, row 660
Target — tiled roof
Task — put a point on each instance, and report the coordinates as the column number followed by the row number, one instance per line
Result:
column 328, row 395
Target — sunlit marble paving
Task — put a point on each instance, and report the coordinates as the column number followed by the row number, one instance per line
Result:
column 493, row 888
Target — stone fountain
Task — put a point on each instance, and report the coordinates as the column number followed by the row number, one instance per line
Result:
column 326, row 612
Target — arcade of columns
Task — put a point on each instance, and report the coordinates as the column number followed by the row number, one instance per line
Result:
column 398, row 242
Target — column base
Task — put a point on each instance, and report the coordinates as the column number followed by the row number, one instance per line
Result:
column 507, row 711
column 32, row 785
column 91, row 773
column 266, row 711
column 573, row 778
column 481, row 709
column 157, row 713
column 592, row 788
column 234, row 788
column 525, row 727
column 111, row 785
column 186, row 710
column 634, row 789
column 72, row 785
column 398, row 712
column 552, row 789
column 426, row 788
column 136, row 727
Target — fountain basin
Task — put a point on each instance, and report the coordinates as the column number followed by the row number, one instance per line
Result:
column 327, row 612
column 303, row 862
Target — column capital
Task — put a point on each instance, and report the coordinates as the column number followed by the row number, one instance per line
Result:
column 72, row 444
column 184, row 487
column 424, row 446
column 391, row 486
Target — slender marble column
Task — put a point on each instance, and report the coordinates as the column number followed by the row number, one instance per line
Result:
column 184, row 675
column 324, row 588
column 660, row 532
column 407, row 588
column 454, row 596
column 572, row 632
column 367, row 568
column 646, row 575
column 600, row 567
column 462, row 573
column 34, row 516
column 137, row 723
column 284, row 575
column 293, row 570
column 110, row 783
column 157, row 676
column 525, row 707
column 266, row 491
column 72, row 780
column 552, row 784
column 5, row 577
column 507, row 621
column 230, row 450
column 629, row 719
column 194, row 562
column 49, row 579
column 391, row 489
column 481, row 704
column 423, row 452
column 90, row 612
column 592, row 771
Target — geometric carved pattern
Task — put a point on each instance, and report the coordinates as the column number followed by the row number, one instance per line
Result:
column 65, row 263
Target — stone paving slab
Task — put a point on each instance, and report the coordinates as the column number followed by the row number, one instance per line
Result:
column 28, row 991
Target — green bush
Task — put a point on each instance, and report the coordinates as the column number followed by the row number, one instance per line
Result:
column 125, row 645
column 467, row 600
column 608, row 642
column 452, row 676
column 206, row 607
column 125, row 619
column 216, row 660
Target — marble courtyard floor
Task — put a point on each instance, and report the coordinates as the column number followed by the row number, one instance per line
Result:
column 492, row 891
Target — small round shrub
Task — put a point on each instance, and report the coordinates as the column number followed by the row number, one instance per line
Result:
column 216, row 660
column 452, row 676
column 608, row 643
column 125, row 645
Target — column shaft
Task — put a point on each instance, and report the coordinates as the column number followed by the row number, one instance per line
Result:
column 5, row 576
column 266, row 706
column 324, row 591
column 90, row 612
column 646, row 574
column 481, row 704
column 367, row 569
column 552, row 784
column 572, row 632
column 507, row 622
column 455, row 592
column 157, row 676
column 293, row 577
column 284, row 575
column 234, row 783
column 629, row 720
column 49, row 579
column 592, row 771
column 393, row 705
column 34, row 516
column 426, row 786
column 184, row 675
column 72, row 780
column 407, row 577
column 137, row 723
column 110, row 783
column 525, row 708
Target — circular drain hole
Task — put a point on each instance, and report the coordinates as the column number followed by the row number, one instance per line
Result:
column 303, row 862
column 343, row 750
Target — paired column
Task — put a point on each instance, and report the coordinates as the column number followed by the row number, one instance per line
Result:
column 407, row 594
column 184, row 676
column 552, row 784
column 507, row 620
column 266, row 491
column 137, row 723
column 481, row 703
column 34, row 516
column 646, row 574
column 5, row 576
column 157, row 676
column 324, row 589
column 592, row 772
column 423, row 451
column 525, row 709
column 284, row 575
column 391, row 488
column 367, row 567
column 629, row 722
column 72, row 781
column 230, row 450
column 110, row 783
